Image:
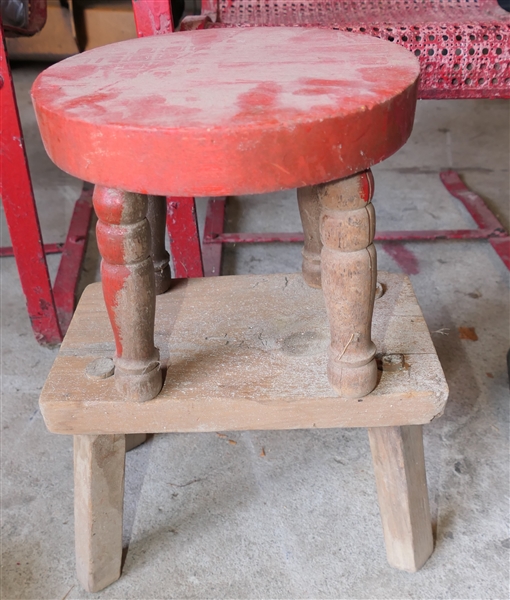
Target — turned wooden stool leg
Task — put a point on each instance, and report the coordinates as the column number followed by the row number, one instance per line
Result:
column 310, row 210
column 156, row 215
column 98, row 501
column 399, row 466
column 348, row 274
column 124, row 238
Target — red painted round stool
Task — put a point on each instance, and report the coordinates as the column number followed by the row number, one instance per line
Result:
column 220, row 113
column 213, row 113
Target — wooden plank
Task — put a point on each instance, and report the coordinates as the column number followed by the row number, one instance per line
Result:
column 245, row 352
column 98, row 505
column 399, row 467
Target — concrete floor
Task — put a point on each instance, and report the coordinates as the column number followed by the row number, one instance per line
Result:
column 205, row 518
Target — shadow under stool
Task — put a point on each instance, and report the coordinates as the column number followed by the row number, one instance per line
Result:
column 229, row 112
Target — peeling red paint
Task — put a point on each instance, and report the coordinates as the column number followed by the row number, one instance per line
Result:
column 233, row 120
column 110, row 241
column 114, row 278
column 367, row 186
column 108, row 205
column 262, row 95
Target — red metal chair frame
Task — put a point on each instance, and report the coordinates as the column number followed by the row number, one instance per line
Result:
column 50, row 309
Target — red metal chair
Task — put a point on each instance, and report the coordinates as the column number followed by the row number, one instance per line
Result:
column 50, row 309
column 464, row 50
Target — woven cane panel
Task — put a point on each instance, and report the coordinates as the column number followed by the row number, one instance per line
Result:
column 463, row 45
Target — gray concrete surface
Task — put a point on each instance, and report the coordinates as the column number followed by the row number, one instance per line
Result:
column 287, row 514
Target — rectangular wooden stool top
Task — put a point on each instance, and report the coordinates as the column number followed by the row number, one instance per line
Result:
column 245, row 352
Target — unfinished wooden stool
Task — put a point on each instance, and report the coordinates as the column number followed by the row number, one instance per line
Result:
column 228, row 112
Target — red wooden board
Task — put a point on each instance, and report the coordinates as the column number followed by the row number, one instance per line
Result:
column 222, row 112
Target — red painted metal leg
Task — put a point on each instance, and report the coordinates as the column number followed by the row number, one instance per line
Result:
column 425, row 235
column 21, row 215
column 212, row 249
column 502, row 247
column 482, row 215
column 48, row 249
column 152, row 17
column 257, row 238
column 184, row 237
column 73, row 253
column 485, row 219
column 405, row 258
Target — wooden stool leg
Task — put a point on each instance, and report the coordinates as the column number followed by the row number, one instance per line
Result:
column 349, row 273
column 399, row 466
column 310, row 210
column 124, row 238
column 156, row 215
column 98, row 500
column 133, row 440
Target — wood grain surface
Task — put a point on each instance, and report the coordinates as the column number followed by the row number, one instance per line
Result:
column 245, row 352
column 98, row 508
column 349, row 277
column 400, row 476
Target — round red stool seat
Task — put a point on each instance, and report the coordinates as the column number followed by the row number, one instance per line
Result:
column 223, row 112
